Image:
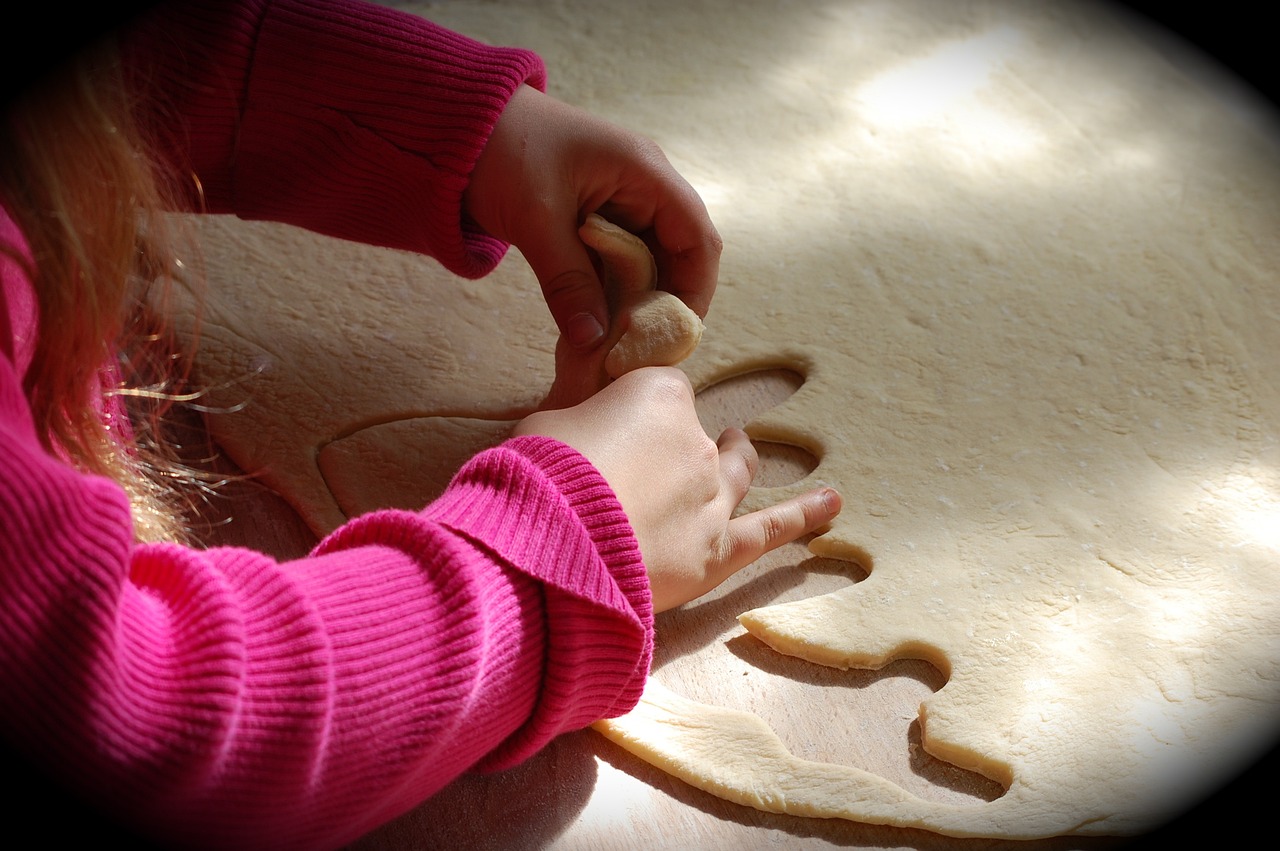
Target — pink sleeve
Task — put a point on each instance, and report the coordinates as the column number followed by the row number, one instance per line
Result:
column 347, row 118
column 219, row 698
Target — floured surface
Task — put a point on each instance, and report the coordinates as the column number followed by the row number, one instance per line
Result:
column 1028, row 271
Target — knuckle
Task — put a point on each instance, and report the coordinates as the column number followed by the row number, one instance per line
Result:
column 669, row 385
column 567, row 283
column 645, row 149
column 751, row 457
column 708, row 457
column 715, row 243
column 724, row 550
column 742, row 475
column 776, row 527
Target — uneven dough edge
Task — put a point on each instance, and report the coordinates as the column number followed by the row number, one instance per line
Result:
column 735, row 755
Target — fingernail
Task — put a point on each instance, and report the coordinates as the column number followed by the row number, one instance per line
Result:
column 831, row 501
column 583, row 331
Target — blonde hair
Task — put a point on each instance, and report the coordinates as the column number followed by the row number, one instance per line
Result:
column 75, row 177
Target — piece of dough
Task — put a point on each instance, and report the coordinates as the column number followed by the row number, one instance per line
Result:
column 656, row 328
column 647, row 327
column 1028, row 270
column 661, row 331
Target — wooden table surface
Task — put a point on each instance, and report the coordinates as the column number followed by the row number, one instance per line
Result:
column 583, row 792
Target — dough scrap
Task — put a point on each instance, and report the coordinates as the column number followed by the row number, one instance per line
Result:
column 661, row 331
column 657, row 328
column 1027, row 268
column 648, row 327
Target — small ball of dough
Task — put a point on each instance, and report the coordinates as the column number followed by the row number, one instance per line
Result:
column 662, row 331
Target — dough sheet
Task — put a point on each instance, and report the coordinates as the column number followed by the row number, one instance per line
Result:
column 1025, row 261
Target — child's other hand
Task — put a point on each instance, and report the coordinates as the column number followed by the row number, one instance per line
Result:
column 678, row 487
column 546, row 166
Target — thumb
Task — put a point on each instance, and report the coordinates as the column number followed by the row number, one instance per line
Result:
column 572, row 289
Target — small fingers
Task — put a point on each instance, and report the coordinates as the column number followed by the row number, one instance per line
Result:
column 691, row 269
column 752, row 535
column 576, row 302
column 738, row 463
column 661, row 204
column 690, row 246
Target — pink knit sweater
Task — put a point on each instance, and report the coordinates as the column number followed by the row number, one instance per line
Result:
column 216, row 697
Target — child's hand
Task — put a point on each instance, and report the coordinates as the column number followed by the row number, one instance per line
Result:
column 678, row 488
column 547, row 166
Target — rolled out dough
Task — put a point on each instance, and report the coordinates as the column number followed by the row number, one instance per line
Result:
column 1027, row 266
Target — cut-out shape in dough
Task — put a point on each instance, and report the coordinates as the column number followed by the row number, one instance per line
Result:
column 405, row 463
column 738, row 400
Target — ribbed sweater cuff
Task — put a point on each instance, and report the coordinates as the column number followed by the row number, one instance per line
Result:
column 353, row 120
column 387, row 116
column 598, row 605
